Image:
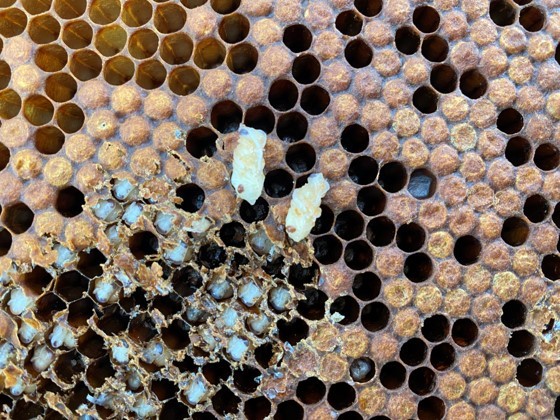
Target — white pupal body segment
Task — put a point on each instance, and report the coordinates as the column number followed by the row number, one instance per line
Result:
column 305, row 207
column 248, row 164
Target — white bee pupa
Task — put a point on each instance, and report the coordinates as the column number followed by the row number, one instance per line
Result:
column 248, row 164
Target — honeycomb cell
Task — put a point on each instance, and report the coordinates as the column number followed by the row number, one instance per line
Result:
column 169, row 18
column 431, row 408
column 473, row 84
column 410, row 237
column 358, row 255
column 33, row 7
column 518, row 151
column 183, row 80
column 257, row 408
column 291, row 127
column 502, row 12
column 547, row 157
column 38, row 110
column 283, row 95
column 341, row 395
column 77, row 34
column 375, row 316
column 70, row 118
column 118, row 70
column 10, row 106
column 358, row 53
column 347, row 307
column 225, row 7
column 136, row 13
column 529, row 372
column 4, row 159
column 371, row 201
column 521, row 343
column 70, row 9
column 442, row 356
column 143, row 244
column 425, row 100
column 209, row 54
column 49, row 140
column 363, row 170
column 413, row 352
column 515, row 231
column 173, row 408
column 532, row 18
column 369, row 8
column 5, row 75
column 292, row 331
column 71, row 286
column 289, row 410
column 407, row 40
column 201, row 142
column 226, row 116
column 510, row 121
column 150, row 74
column 278, row 183
column 380, row 231
column 104, row 12
column 306, row 69
column 418, row 267
column 392, row 375
column 422, row 381
column 175, row 49
column 435, row 328
column 44, row 29
column 261, row 118
column 443, row 78
column 234, row 28
column 550, row 266
column 37, row 280
column 69, row 202
column 110, row 40
column 464, row 332
column 13, row 22
column 69, row 366
column 311, row 391
column 435, row 48
column 297, row 38
column 301, row 157
column 328, row 249
column 85, row 65
column 349, row 225
column 392, row 177
column 5, row 241
column 354, row 138
column 47, row 305
column 315, row 100
column 366, row 286
column 98, row 372
column 536, row 208
column 313, row 307
column 426, row 19
column 467, row 250
column 61, row 87
column 89, row 263
column 514, row 313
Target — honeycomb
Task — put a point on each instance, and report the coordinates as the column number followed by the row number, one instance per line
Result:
column 137, row 284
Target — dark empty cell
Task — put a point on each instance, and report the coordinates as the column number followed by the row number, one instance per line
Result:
column 350, row 415
column 375, row 316
column 422, row 381
column 233, row 234
column 291, row 127
column 5, row 156
column 113, row 321
column 225, row 7
column 289, row 410
column 192, row 196
column 358, row 53
column 371, row 201
column 283, row 95
column 261, row 118
column 226, row 117
column 142, row 244
column 362, row 369
column 204, row 416
column 550, row 266
column 354, row 138
column 164, row 388
column 212, row 255
column 254, row 212
column 366, row 286
column 473, row 84
column 301, row 157
column 347, row 307
column 502, row 12
column 547, row 157
column 98, row 371
column 556, row 215
column 435, row 48
column 292, row 331
column 142, row 328
column 413, row 352
column 536, row 208
column 557, row 408
column 71, row 285
column 175, row 410
column 328, row 249
column 467, row 250
column 297, row 38
column 89, row 263
column 5, row 241
column 464, row 332
column 311, row 391
column 363, row 170
column 186, row 281
column 225, row 401
column 341, row 395
column 24, row 410
column 68, row 366
column 358, row 255
column 324, row 222
column 515, row 231
column 176, row 335
column 169, row 304
column 442, row 356
column 246, row 379
column 299, row 276
column 306, row 69
column 514, row 313
column 392, row 375
column 425, row 99
column 242, row 58
column 410, row 237
column 17, row 217
column 418, row 267
column 257, row 408
column 37, row 280
column 435, row 328
column 529, row 372
column 278, row 183
column 426, row 19
column 518, row 151
column 91, row 345
column 443, row 78
column 349, row 225
column 557, row 54
column 234, row 28
column 313, row 306
column 510, row 121
column 216, row 372
column 136, row 301
column 349, row 23
column 380, row 231
column 521, row 343
column 431, row 408
column 201, row 142
column 368, row 8
column 392, row 177
column 314, row 100
column 407, row 40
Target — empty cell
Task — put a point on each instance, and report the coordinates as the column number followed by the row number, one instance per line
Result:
column 242, row 58
column 536, row 208
column 278, row 183
column 324, row 222
column 233, row 234
column 283, row 95
column 143, row 244
column 186, row 281
column 422, row 381
column 442, row 356
column 47, row 305
column 301, row 157
column 363, row 170
column 341, row 395
column 467, row 250
column 431, row 408
column 328, row 249
column 37, row 280
column 443, row 78
column 518, row 151
column 292, row 331
column 502, row 12
column 306, row 69
column 392, row 375
column 349, row 23
column 366, row 286
column 226, row 117
column 529, row 372
column 313, row 306
column 225, row 7
column 169, row 18
column 289, row 410
column 426, row 19
column 297, row 38
column 375, row 316
column 550, row 266
column 354, row 138
column 4, row 159
column 315, row 100
column 410, row 237
column 5, row 74
column 257, row 408
column 246, row 379
column 473, row 84
column 515, row 231
column 349, row 225
column 234, row 28
column 89, row 262
column 5, row 241
column 371, row 201
column 464, row 332
column 71, row 285
column 358, row 53
column 418, row 267
column 521, row 343
column 510, row 121
column 201, row 142
column 209, row 53
column 547, row 157
column 347, row 307
column 358, row 255
column 18, row 218
column 380, row 231
column 254, row 212
column 212, row 255
column 435, row 48
column 435, row 328
column 425, row 100
column 69, row 201
column 368, row 8
column 413, row 352
column 407, row 40
column 514, row 313
column 174, row 409
column 260, row 117
column 49, row 140
column 392, row 177
column 291, row 127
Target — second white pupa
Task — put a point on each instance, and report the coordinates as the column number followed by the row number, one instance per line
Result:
column 248, row 164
